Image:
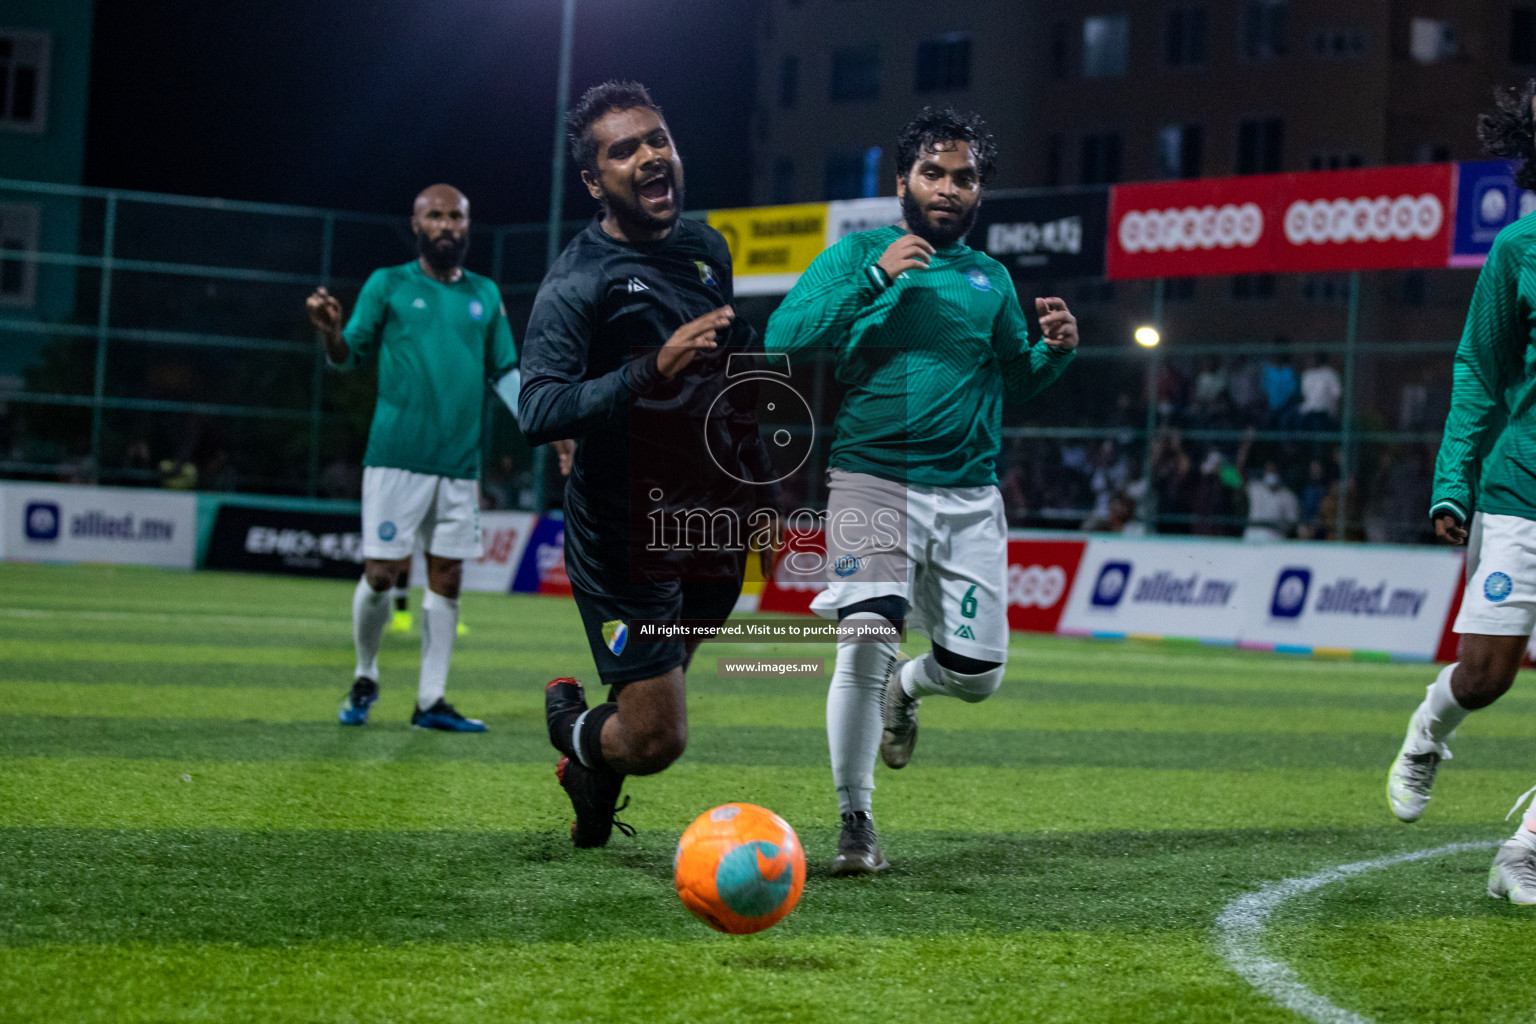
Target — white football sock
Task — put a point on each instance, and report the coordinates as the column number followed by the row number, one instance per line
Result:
column 853, row 714
column 439, row 625
column 370, row 614
column 1439, row 714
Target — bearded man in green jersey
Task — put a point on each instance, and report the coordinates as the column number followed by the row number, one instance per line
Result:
column 1485, row 497
column 441, row 336
column 928, row 336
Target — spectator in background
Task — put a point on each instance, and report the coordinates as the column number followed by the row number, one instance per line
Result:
column 1313, row 494
column 1215, row 497
column 1280, row 390
column 1015, row 495
column 1245, row 385
column 1273, row 510
column 1321, row 391
column 1210, row 398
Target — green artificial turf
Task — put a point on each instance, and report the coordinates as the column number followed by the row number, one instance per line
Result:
column 187, row 835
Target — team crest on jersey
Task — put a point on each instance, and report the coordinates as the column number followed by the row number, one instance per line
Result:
column 980, row 281
column 420, row 303
column 476, row 309
column 1497, row 586
column 615, row 635
column 706, row 273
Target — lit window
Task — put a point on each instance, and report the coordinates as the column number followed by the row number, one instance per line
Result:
column 1106, row 39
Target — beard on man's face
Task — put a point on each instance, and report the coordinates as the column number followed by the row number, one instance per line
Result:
column 446, row 253
column 938, row 236
column 631, row 207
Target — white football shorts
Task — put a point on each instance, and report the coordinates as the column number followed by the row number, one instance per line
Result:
column 943, row 549
column 400, row 507
column 1500, row 599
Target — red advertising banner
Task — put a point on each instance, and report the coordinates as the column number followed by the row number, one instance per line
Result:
column 1040, row 574
column 1369, row 219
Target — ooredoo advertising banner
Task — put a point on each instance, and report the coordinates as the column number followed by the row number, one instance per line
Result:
column 1040, row 575
column 1369, row 219
column 121, row 525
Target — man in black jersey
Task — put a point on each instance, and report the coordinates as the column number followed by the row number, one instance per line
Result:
column 627, row 351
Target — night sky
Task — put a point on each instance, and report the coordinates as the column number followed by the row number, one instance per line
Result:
column 357, row 104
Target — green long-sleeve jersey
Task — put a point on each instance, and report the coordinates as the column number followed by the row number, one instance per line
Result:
column 927, row 360
column 1487, row 456
column 439, row 345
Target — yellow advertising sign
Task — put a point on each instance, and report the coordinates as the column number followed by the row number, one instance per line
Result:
column 771, row 245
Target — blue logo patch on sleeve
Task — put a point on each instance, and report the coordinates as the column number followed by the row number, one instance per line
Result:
column 1497, row 586
column 386, row 531
column 846, row 566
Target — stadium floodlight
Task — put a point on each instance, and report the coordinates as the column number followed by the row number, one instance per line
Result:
column 1147, row 337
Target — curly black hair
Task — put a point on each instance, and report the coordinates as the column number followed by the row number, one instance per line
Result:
column 936, row 129
column 594, row 103
column 1509, row 131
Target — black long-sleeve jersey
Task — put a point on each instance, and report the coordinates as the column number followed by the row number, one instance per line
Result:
column 649, row 449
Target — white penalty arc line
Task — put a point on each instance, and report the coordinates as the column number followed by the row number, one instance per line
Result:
column 1240, row 933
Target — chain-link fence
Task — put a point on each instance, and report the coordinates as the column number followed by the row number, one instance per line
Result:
column 159, row 340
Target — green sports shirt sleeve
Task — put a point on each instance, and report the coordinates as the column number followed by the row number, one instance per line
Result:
column 366, row 326
column 1027, row 368
column 1488, row 366
column 820, row 309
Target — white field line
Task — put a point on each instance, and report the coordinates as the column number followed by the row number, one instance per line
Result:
column 169, row 618
column 1240, row 933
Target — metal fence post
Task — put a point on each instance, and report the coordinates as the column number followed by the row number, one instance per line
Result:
column 1154, row 372
column 317, row 389
column 1347, row 413
column 103, row 327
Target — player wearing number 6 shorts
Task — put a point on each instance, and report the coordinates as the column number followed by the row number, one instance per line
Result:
column 928, row 336
column 1485, row 497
